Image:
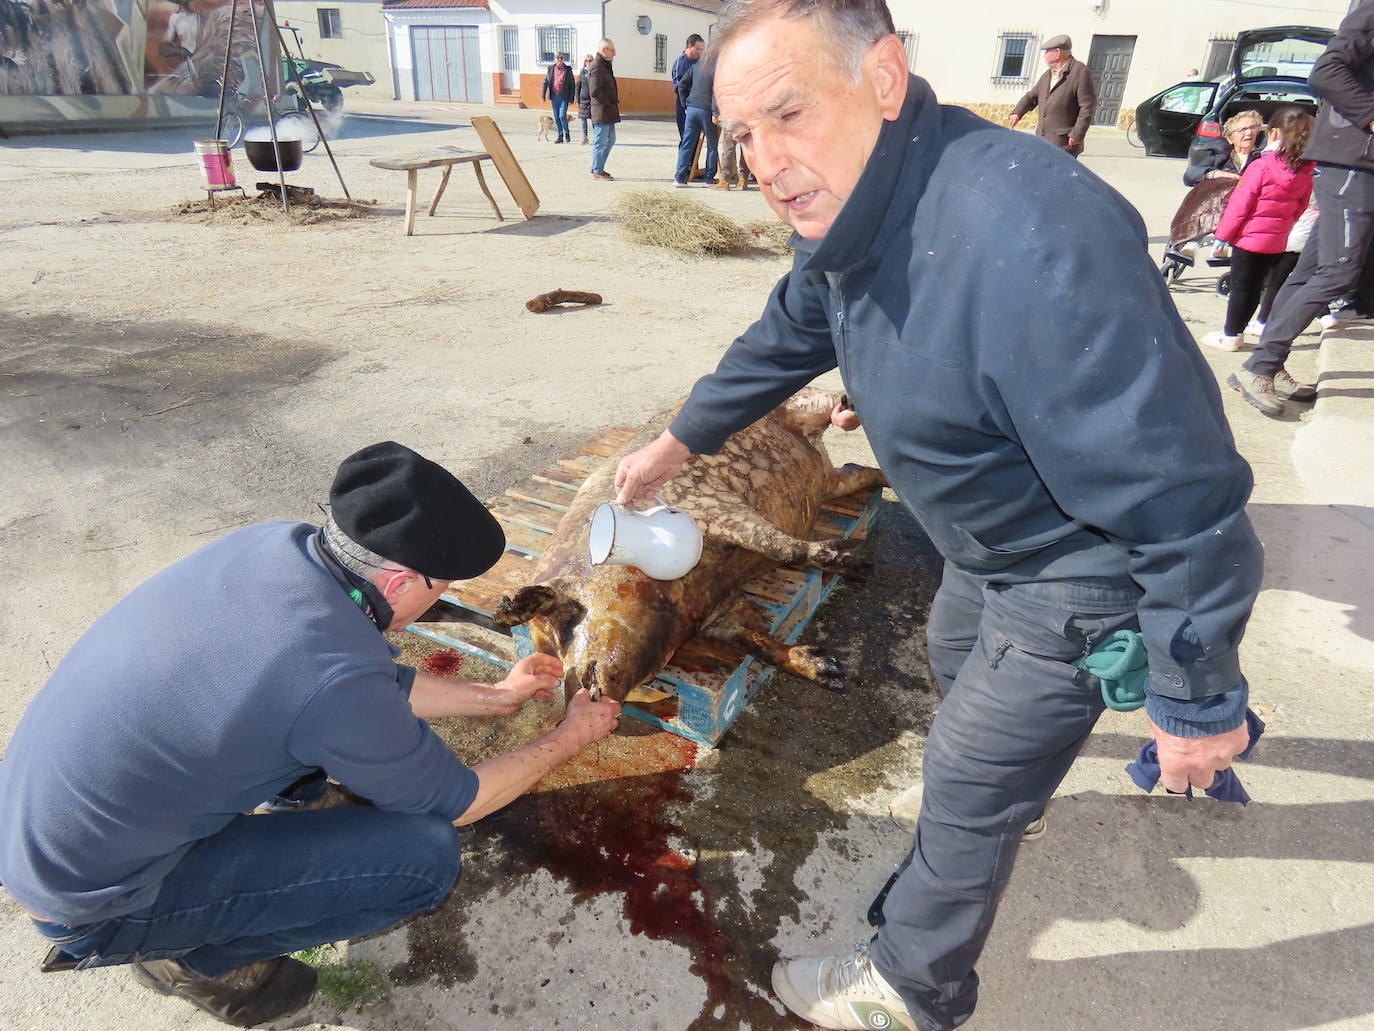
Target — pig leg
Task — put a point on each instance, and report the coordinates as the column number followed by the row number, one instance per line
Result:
column 528, row 602
column 850, row 477
column 743, row 528
column 744, row 627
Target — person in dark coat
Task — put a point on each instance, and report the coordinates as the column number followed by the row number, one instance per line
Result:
column 690, row 55
column 605, row 97
column 1065, row 95
column 560, row 85
column 584, row 98
column 1242, row 139
column 1331, row 263
column 1081, row 485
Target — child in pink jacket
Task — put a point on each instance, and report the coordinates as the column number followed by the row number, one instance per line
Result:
column 1272, row 194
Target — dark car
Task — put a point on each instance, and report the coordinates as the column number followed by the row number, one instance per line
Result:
column 1269, row 68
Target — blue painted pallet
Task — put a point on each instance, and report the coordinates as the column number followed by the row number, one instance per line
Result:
column 708, row 701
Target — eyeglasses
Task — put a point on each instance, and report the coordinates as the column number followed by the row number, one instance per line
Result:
column 1246, row 128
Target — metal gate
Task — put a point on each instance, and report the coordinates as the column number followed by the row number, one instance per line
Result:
column 1109, row 61
column 448, row 63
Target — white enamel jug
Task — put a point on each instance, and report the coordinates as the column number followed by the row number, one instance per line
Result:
column 663, row 542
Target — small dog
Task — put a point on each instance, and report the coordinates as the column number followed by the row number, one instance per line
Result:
column 545, row 126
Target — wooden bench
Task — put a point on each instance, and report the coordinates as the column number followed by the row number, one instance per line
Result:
column 445, row 158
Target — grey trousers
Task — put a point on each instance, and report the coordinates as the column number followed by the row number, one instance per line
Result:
column 732, row 164
column 1013, row 716
column 1329, row 267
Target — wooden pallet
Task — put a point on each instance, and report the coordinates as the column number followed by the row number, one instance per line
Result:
column 705, row 695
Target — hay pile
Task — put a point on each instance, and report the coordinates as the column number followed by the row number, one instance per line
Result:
column 266, row 207
column 662, row 219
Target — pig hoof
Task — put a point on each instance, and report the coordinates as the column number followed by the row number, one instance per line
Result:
column 813, row 663
column 837, row 557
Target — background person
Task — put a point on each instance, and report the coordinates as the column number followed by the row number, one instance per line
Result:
column 1065, row 95
column 1069, row 504
column 605, row 97
column 690, row 55
column 1331, row 263
column 560, row 86
column 696, row 91
column 1242, row 139
column 584, row 98
column 1262, row 211
column 249, row 669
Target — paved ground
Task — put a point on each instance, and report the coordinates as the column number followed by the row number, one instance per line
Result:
column 166, row 380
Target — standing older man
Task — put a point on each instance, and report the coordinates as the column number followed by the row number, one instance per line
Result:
column 1037, row 403
column 248, row 671
column 605, row 94
column 1065, row 95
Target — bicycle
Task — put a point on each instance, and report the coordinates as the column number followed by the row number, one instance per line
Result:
column 1132, row 136
column 292, row 124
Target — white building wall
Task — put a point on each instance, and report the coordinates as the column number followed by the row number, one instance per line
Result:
column 957, row 45
column 399, row 23
column 363, row 47
column 582, row 16
column 635, row 48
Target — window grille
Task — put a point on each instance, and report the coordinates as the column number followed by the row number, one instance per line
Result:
column 1015, row 57
column 660, row 53
column 556, row 39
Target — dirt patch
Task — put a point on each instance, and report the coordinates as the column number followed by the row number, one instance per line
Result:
column 266, row 207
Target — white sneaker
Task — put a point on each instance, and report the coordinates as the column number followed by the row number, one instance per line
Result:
column 906, row 807
column 1328, row 322
column 1255, row 329
column 1221, row 342
column 844, row 992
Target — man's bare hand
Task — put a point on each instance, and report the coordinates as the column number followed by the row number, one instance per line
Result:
column 1196, row 761
column 534, row 676
column 844, row 417
column 1011, row 121
column 588, row 721
column 641, row 473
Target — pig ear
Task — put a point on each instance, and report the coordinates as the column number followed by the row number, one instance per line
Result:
column 528, row 602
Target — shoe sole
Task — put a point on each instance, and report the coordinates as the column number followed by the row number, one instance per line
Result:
column 1234, row 383
column 305, row 992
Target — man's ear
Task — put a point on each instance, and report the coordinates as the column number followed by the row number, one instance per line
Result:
column 889, row 75
column 397, row 583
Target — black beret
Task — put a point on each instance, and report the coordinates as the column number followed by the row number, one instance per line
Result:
column 414, row 512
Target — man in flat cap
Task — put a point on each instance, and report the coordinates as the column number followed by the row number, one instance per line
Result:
column 247, row 672
column 1066, row 96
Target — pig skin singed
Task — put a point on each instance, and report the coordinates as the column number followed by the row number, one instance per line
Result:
column 615, row 628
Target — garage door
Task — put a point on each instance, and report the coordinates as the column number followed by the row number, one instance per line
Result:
column 447, row 65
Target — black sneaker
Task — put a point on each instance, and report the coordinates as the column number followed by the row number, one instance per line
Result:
column 244, row 997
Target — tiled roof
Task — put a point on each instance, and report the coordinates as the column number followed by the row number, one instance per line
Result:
column 392, row 5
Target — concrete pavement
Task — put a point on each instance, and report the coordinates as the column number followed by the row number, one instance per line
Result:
column 1133, row 912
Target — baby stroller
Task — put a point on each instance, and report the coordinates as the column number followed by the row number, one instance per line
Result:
column 1194, row 222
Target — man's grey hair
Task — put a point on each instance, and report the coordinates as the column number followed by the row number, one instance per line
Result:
column 353, row 556
column 605, row 43
column 853, row 26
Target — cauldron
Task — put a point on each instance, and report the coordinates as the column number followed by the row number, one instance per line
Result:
column 260, row 154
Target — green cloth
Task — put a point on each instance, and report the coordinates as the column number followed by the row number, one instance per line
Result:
column 1122, row 666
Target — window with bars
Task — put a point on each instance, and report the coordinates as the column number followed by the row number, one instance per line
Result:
column 554, row 40
column 909, row 39
column 1015, row 58
column 660, row 53
column 331, row 24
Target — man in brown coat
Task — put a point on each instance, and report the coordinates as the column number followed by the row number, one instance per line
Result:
column 605, row 94
column 1065, row 95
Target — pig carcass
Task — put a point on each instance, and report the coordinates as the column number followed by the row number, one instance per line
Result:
column 755, row 502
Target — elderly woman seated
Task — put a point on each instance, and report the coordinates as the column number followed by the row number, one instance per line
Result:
column 1242, row 139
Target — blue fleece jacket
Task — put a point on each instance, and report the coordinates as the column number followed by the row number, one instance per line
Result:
column 206, row 691
column 1026, row 383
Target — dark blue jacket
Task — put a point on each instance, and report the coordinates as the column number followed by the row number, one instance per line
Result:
column 1025, row 380
column 210, row 688
column 696, row 87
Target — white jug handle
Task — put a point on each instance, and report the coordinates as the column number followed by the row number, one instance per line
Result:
column 670, row 508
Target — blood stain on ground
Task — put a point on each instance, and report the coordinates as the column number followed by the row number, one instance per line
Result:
column 442, row 663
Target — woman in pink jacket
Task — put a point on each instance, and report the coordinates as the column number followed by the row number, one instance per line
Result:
column 1272, row 194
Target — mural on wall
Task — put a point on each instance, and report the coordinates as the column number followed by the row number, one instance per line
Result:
column 184, row 52
column 123, row 47
column 66, row 47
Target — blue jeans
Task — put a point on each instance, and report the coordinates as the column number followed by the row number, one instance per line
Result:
column 698, row 121
column 603, row 139
column 560, row 117
column 268, row 885
column 1013, row 716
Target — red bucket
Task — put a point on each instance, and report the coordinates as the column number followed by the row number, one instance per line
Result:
column 216, row 164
